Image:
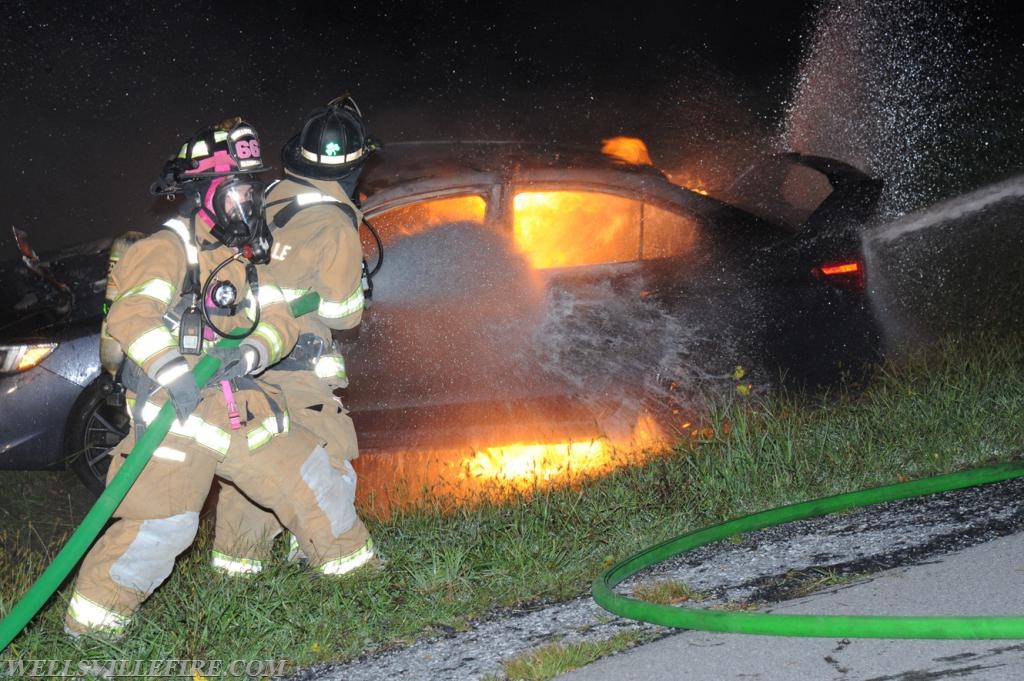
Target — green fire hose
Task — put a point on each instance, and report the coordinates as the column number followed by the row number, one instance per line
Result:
column 97, row 517
column 827, row 626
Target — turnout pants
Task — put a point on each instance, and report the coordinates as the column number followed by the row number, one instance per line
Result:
column 159, row 517
column 246, row 527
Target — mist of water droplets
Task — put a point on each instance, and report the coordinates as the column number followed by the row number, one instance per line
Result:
column 906, row 90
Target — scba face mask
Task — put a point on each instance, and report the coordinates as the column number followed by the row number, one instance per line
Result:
column 239, row 217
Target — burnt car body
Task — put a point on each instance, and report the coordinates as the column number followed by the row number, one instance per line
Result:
column 532, row 295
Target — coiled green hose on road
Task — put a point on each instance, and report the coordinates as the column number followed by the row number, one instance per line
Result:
column 97, row 517
column 827, row 626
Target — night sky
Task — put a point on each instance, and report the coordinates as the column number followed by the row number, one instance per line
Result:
column 95, row 96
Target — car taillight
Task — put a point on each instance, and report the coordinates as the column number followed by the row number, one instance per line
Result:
column 17, row 358
column 847, row 274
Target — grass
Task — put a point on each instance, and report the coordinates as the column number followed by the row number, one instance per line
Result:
column 548, row 661
column 957, row 406
column 667, row 592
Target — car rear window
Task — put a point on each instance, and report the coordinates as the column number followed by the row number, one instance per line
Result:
column 667, row 234
column 780, row 191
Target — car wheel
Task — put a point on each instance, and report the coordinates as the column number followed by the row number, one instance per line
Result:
column 94, row 428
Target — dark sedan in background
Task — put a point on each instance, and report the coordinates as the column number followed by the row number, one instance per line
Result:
column 52, row 394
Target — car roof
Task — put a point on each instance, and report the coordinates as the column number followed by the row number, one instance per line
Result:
column 435, row 163
column 407, row 172
column 414, row 160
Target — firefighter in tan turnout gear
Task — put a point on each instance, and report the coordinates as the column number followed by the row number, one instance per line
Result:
column 316, row 248
column 179, row 291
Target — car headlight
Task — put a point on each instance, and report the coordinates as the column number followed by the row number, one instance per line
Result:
column 17, row 358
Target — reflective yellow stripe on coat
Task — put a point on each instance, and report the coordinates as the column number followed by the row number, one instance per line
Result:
column 330, row 366
column 157, row 289
column 204, row 433
column 264, row 431
column 151, row 343
column 336, row 310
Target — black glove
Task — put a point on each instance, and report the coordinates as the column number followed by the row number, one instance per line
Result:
column 184, row 395
column 235, row 362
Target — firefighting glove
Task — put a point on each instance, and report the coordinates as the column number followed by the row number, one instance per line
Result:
column 235, row 362
column 181, row 388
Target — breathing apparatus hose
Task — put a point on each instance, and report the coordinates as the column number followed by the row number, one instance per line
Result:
column 80, row 541
column 827, row 626
column 380, row 248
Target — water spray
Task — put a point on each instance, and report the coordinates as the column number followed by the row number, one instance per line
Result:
column 945, row 212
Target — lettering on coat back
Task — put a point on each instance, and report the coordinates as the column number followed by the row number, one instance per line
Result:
column 280, row 251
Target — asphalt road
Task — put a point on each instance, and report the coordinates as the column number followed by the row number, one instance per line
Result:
column 954, row 553
column 986, row 579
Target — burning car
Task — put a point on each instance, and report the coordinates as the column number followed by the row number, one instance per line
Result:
column 538, row 312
